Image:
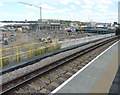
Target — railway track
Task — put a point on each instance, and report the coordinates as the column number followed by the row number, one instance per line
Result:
column 46, row 79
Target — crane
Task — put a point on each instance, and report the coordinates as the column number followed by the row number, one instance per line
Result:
column 34, row 6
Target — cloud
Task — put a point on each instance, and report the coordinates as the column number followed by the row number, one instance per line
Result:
column 1, row 4
column 36, row 2
column 31, row 7
column 103, row 5
column 62, row 10
column 17, row 0
column 87, row 6
column 108, row 16
column 57, row 11
column 65, row 2
column 72, row 7
column 100, row 5
column 54, row 3
column 18, row 15
column 28, row 16
column 89, row 2
column 84, row 10
column 103, row 9
column 46, row 6
column 105, row 2
column 19, row 4
column 47, row 11
column 77, row 2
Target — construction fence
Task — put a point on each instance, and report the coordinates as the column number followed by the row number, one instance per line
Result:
column 25, row 52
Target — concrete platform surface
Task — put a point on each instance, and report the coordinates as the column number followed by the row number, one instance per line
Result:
column 96, row 77
column 115, row 88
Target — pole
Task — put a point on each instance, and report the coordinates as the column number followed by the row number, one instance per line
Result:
column 30, row 51
column 1, row 58
column 17, row 54
column 40, row 14
column 56, row 44
column 41, row 17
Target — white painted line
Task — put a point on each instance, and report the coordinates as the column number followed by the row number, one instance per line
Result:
column 63, row 84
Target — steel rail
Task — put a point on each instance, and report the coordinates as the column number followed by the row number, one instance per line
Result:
column 61, row 63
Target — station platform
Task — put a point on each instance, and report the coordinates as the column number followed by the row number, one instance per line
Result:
column 97, row 76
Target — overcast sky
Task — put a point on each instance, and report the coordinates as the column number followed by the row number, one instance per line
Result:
column 80, row 10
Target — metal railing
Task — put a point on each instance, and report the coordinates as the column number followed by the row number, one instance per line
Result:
column 28, row 49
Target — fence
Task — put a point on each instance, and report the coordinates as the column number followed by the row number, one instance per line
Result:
column 20, row 53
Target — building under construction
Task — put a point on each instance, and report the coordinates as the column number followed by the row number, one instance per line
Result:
column 48, row 24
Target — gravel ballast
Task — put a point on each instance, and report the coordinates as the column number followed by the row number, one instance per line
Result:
column 25, row 70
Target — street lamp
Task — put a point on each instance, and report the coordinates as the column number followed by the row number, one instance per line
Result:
column 34, row 6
